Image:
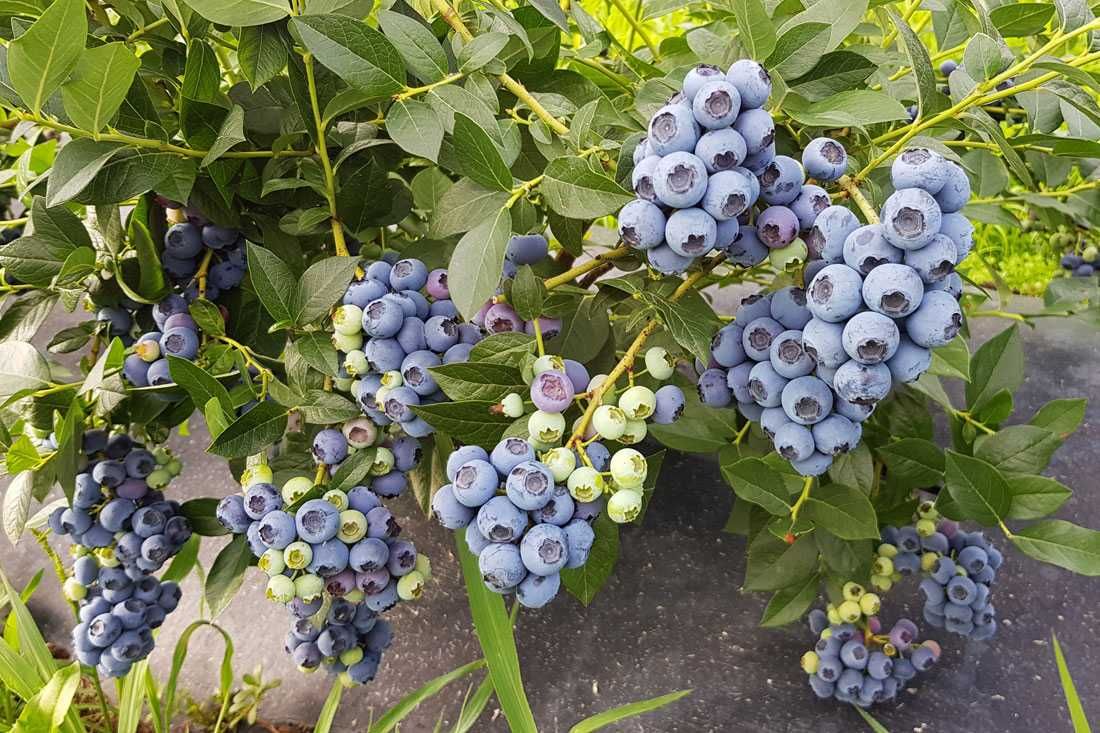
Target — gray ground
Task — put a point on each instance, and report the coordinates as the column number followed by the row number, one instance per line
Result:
column 672, row 617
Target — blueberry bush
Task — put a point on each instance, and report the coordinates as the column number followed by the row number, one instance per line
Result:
column 477, row 253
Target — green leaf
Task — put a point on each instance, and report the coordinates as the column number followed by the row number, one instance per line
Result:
column 481, row 50
column 573, row 189
column 998, row 364
column 690, row 320
column 424, row 57
column 99, row 83
column 226, row 574
column 504, row 348
column 755, row 29
column 757, row 482
column 39, row 257
column 179, row 656
column 262, row 52
column 477, row 155
column 1018, row 448
column 983, row 58
column 477, row 262
column 979, row 489
column 198, row 383
column 474, row 380
column 929, row 99
column 1063, row 544
column 857, row 108
column 230, row 133
column 321, row 286
column 202, row 75
column 791, row 603
column 317, row 350
column 614, row 715
column 494, row 633
column 842, row 16
column 416, row 128
column 913, row 462
column 952, row 360
column 241, row 12
column 528, row 293
column 202, row 515
column 1034, row 497
column 392, row 718
column 586, row 581
column 43, row 57
column 353, row 470
column 274, row 282
column 151, row 279
column 329, row 709
column 1073, row 701
column 469, row 421
column 1061, row 417
column 358, row 54
column 798, row 49
column 207, row 316
column 461, row 208
column 324, row 408
column 47, row 710
column 22, row 367
column 773, row 564
column 17, row 505
column 1021, row 19
column 844, row 511
column 258, row 428
column 583, row 331
column 856, row 468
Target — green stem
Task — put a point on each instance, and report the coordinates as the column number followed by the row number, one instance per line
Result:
column 410, row 92
column 145, row 29
column 637, row 26
column 859, row 199
column 807, row 485
column 326, row 164
column 968, row 418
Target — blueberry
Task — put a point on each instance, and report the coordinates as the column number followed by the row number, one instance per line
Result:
column 136, row 370
column 830, row 668
column 830, row 230
column 179, row 320
column 961, row 231
column 758, row 131
column 114, row 514
column 870, row 338
column 181, row 342
column 893, row 290
column 463, row 455
column 680, row 180
column 863, row 384
column 757, row 305
column 402, row 559
column 530, row 486
column 755, row 163
column 854, row 654
column 766, row 385
column 475, row 482
column 104, row 629
column 712, row 388
column 501, row 318
column 698, row 77
column 641, row 224
column 75, row 521
column 777, row 226
column 501, row 567
column 934, row 261
column 728, row 194
column 726, row 348
column 716, row 104
column 641, row 178
column 810, row 201
column 673, row 129
column 317, row 520
column 910, row 218
column 159, row 373
column 408, row 274
column 179, row 269
column 183, row 241
column 751, row 81
column 362, row 292
column 509, row 453
column 535, row 591
column 757, row 337
column 226, row 275
column 109, row 473
column 788, row 356
column 834, row 293
column 399, row 402
column 866, row 248
column 383, row 318
column 822, row 689
column 836, row 434
column 720, row 150
column 788, row 306
column 781, row 181
column 746, row 250
column 148, row 521
column 956, row 189
column 330, row 447
column 216, row 237
column 500, row 520
column 793, row 441
column 691, row 232
column 936, row 322
column 919, row 168
column 807, row 400
column 909, row 361
column 815, row 465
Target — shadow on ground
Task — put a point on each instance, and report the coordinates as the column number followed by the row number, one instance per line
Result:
column 672, row 616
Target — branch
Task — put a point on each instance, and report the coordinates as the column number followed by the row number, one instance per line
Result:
column 859, row 199
column 571, row 274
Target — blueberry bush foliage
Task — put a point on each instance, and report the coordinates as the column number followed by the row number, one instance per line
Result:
column 378, row 248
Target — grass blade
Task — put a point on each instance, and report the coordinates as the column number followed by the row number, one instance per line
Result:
column 49, row 708
column 131, row 698
column 332, row 704
column 494, row 633
column 876, row 726
column 1073, row 702
column 629, row 710
column 179, row 656
column 474, row 706
column 407, row 704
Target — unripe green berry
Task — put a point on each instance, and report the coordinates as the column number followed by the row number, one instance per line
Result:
column 348, row 319
column 882, row 583
column 810, row 662
column 849, row 611
column 74, row 591
column 870, row 604
column 624, row 506
column 353, row 526
column 392, row 379
column 635, row 432
column 793, row 254
column 834, row 619
column 927, row 510
column 424, row 566
column 539, row 446
column 561, row 462
column 271, row 562
column 882, row 566
column 352, row 656
column 360, row 432
column 297, row 555
column 926, row 527
column 295, row 488
column 106, row 557
column 546, row 427
column 280, row 589
column 147, row 351
column 853, row 591
column 341, row 384
column 628, row 468
column 512, row 405
column 928, row 561
column 586, row 484
column 638, row 402
column 309, row 586
column 888, row 550
column 411, row 586
column 174, row 466
column 345, row 342
column 161, row 455
column 383, row 461
column 659, row 363
column 355, row 596
column 380, row 395
column 159, row 478
column 609, row 421
column 547, row 362
column 596, row 382
column 257, row 474
column 337, row 498
column 355, row 363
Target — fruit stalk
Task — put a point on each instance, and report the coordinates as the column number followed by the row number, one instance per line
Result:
column 571, row 274
column 859, row 199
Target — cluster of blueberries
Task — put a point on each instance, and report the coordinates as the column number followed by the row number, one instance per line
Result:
column 1084, row 264
column 189, row 242
column 334, row 560
column 492, row 317
column 394, row 325
column 854, row 662
column 524, row 537
column 123, row 532
column 177, row 335
column 708, row 159
column 810, row 365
